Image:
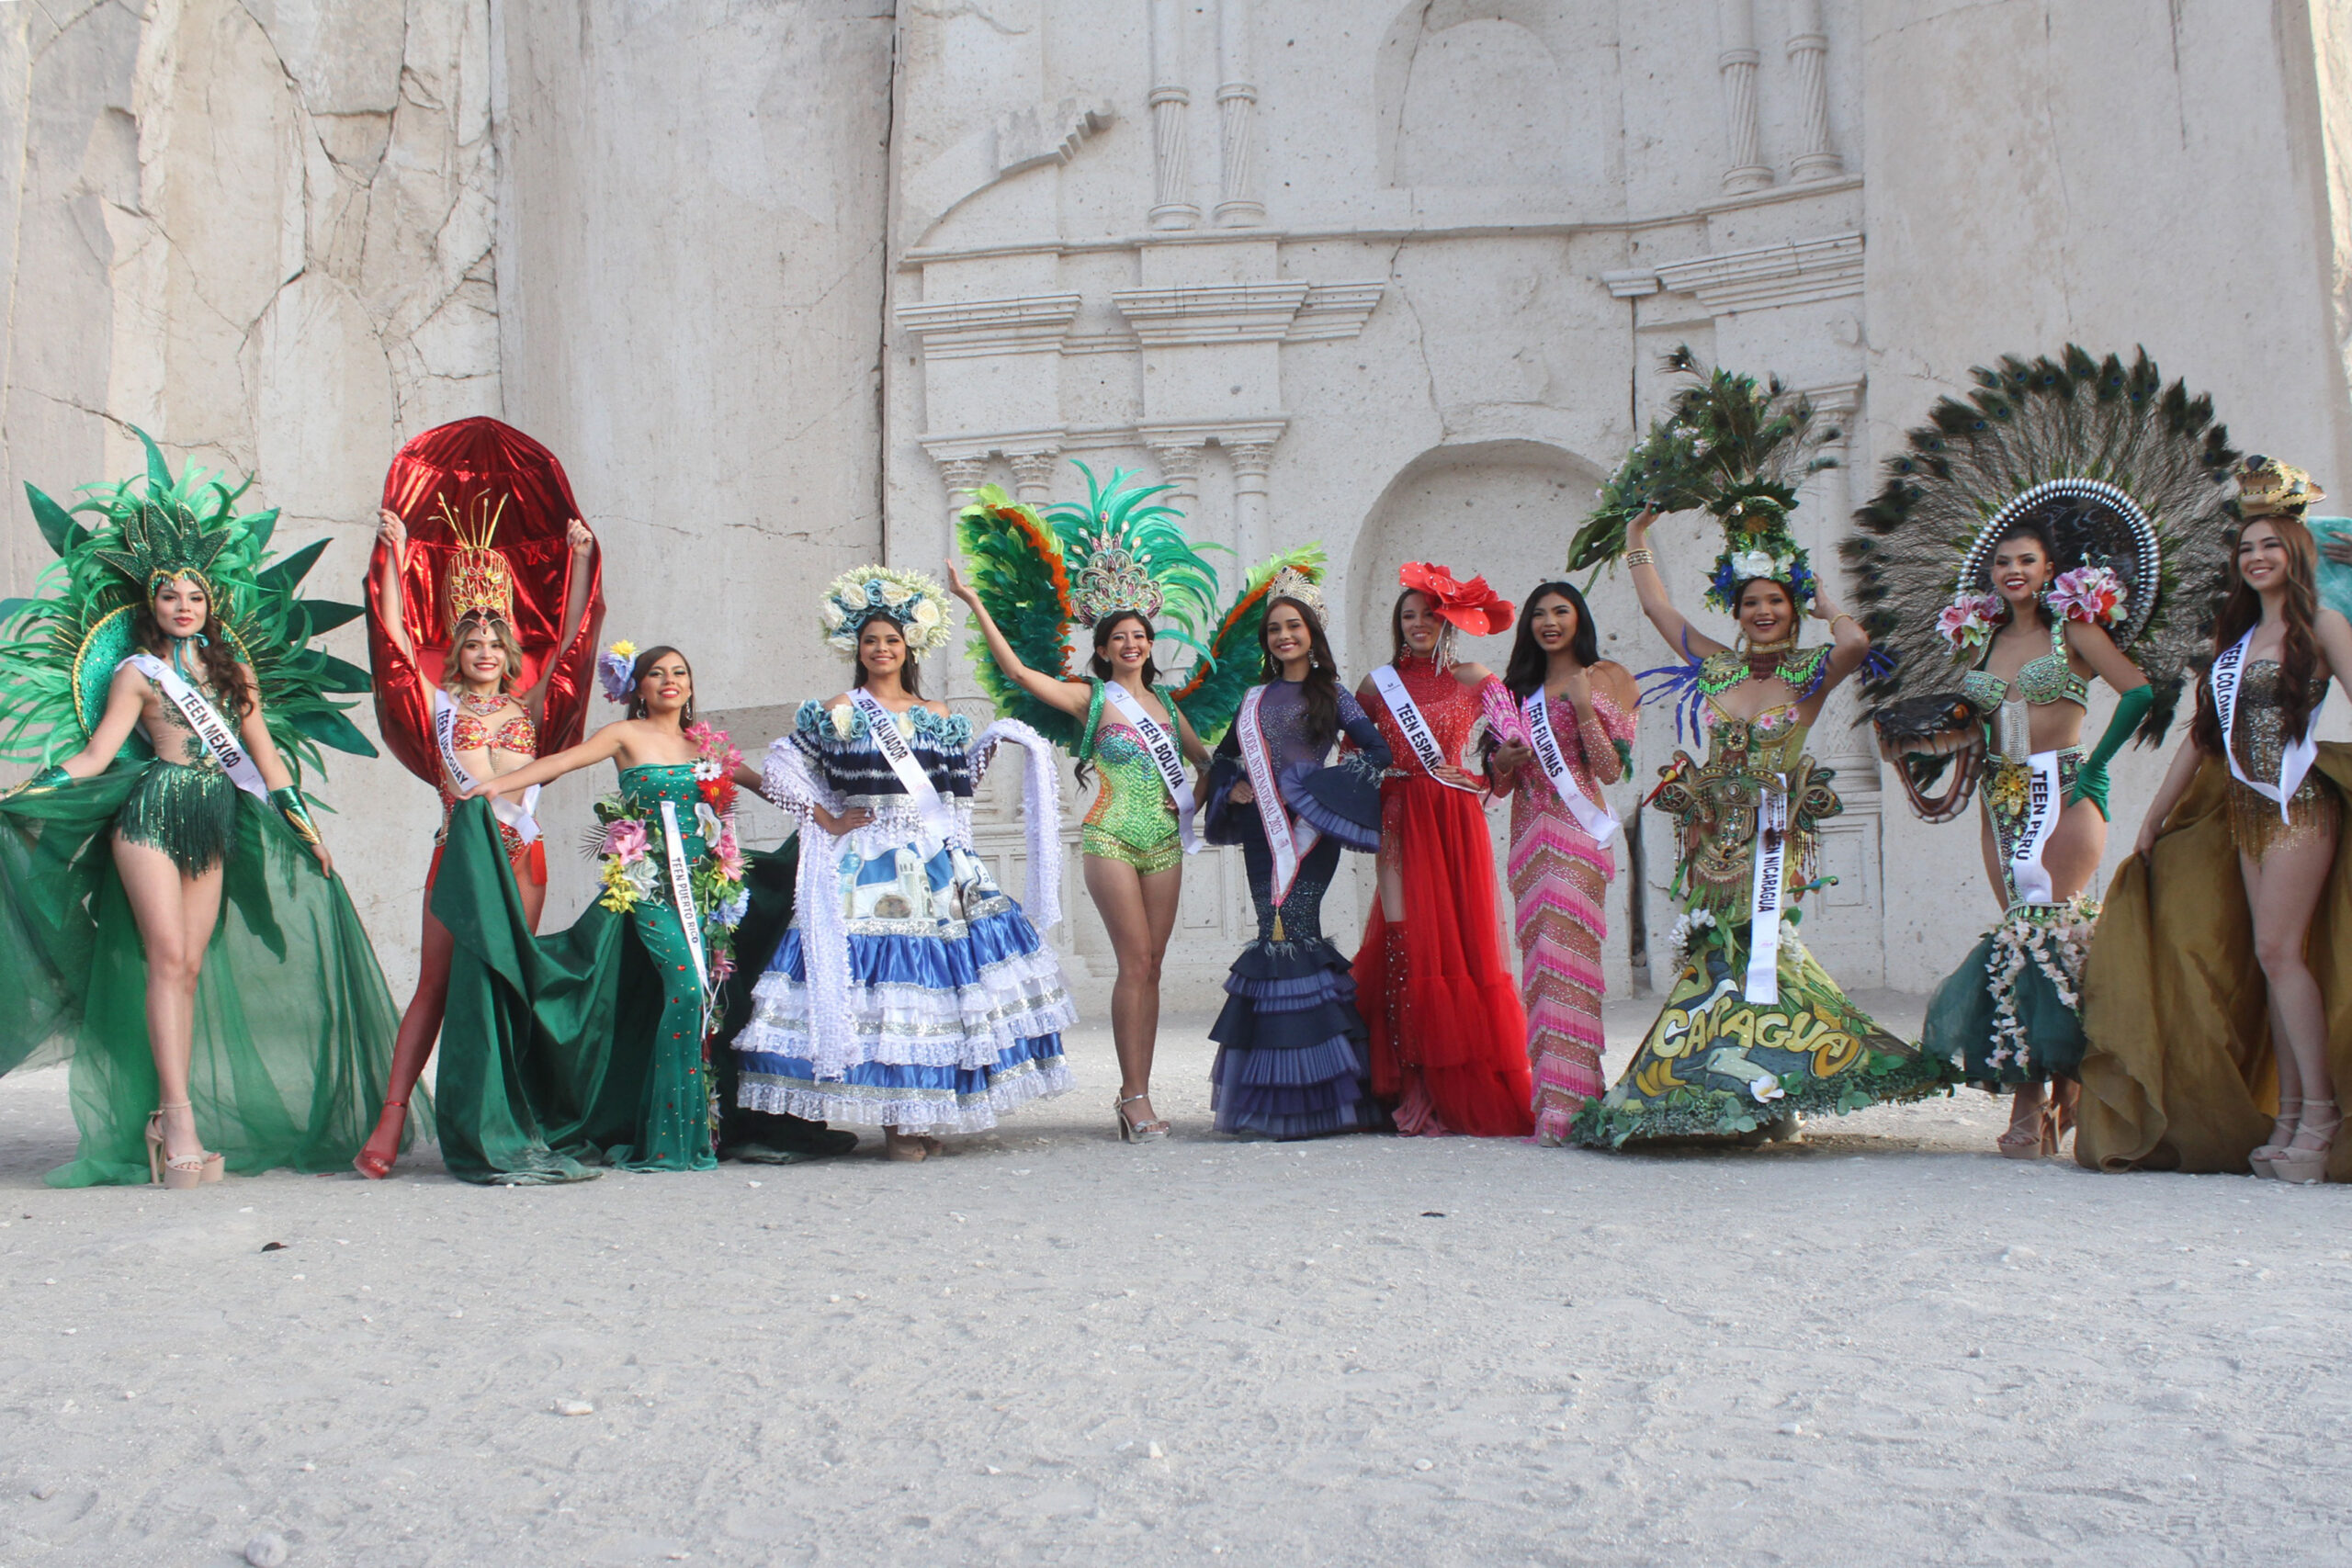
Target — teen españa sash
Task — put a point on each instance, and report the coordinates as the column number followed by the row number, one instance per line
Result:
column 1597, row 820
column 2029, row 878
column 681, row 897
column 2295, row 759
column 1418, row 734
column 515, row 814
column 1166, row 755
column 1290, row 842
column 896, row 750
column 1763, row 988
column 205, row 719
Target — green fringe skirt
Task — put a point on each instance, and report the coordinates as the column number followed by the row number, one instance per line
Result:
column 190, row 813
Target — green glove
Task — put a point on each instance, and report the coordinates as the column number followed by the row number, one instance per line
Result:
column 2090, row 781
column 49, row 777
column 297, row 812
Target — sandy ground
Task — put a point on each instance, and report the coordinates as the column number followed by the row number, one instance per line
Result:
column 1885, row 1345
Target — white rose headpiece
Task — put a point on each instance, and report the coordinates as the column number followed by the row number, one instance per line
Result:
column 911, row 601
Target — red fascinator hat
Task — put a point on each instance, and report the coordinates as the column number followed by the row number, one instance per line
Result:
column 1471, row 606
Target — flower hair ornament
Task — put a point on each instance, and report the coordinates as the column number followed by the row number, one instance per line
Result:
column 1471, row 606
column 913, row 601
column 614, row 668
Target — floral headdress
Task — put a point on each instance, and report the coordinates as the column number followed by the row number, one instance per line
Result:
column 1758, row 544
column 2108, row 536
column 913, row 602
column 1470, row 606
column 616, row 670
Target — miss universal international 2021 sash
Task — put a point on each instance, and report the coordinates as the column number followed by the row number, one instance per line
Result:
column 205, row 719
column 1289, row 841
column 1418, row 734
column 1166, row 755
column 888, row 739
column 514, row 814
column 1597, row 821
column 2295, row 758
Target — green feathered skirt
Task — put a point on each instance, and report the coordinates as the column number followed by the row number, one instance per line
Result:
column 294, row 1025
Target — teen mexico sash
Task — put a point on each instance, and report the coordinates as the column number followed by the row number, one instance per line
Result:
column 515, row 814
column 1166, row 755
column 205, row 719
column 2295, row 760
column 1290, row 842
column 1596, row 820
column 1418, row 734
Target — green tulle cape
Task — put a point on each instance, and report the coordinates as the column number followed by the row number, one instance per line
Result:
column 294, row 1025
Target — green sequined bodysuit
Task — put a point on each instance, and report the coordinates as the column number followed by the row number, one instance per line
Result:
column 1132, row 818
column 184, row 805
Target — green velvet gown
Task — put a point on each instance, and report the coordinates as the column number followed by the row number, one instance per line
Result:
column 294, row 1025
column 564, row 1053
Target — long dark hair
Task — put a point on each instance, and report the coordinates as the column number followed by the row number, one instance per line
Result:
column 2037, row 530
column 1101, row 663
column 1321, row 687
column 644, row 665
column 2243, row 610
column 214, row 651
column 1529, row 664
column 909, row 676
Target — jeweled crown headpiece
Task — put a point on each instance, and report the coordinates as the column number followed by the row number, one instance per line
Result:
column 1292, row 583
column 2269, row 488
column 1124, row 552
column 479, row 583
column 160, row 539
column 914, row 602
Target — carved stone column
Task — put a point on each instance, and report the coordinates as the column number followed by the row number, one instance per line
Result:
column 1179, row 465
column 1172, row 206
column 1737, row 63
column 1032, row 476
column 1809, row 56
column 1237, row 203
column 964, row 476
column 1251, row 525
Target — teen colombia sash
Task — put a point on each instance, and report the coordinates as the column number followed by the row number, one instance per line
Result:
column 682, row 899
column 1596, row 820
column 205, row 719
column 1290, row 842
column 515, row 814
column 1165, row 753
column 2294, row 761
column 899, row 753
column 1763, row 987
column 1418, row 734
column 2029, row 878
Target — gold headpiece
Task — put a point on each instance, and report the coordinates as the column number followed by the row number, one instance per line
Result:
column 480, row 582
column 1292, row 583
column 2269, row 488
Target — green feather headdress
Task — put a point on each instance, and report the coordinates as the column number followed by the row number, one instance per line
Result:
column 1122, row 551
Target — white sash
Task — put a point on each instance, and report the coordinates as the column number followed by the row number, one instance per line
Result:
column 515, row 814
column 1763, row 987
column 682, row 899
column 2295, row 759
column 1418, row 734
column 205, row 719
column 2044, row 802
column 1594, row 818
column 1290, row 842
column 888, row 740
column 1165, row 753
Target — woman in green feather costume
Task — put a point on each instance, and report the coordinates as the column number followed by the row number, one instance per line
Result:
column 169, row 916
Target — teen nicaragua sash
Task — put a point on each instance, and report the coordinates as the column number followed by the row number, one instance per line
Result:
column 205, row 719
column 1418, row 734
column 1763, row 987
column 1596, row 820
column 1290, row 842
column 2029, row 878
column 682, row 899
column 515, row 814
column 1166, row 755
column 900, row 754
column 2295, row 760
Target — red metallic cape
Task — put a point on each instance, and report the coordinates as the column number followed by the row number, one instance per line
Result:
column 462, row 463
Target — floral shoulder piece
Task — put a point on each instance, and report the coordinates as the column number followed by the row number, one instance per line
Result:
column 632, row 872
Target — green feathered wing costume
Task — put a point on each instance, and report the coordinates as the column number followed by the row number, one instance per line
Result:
column 293, row 1026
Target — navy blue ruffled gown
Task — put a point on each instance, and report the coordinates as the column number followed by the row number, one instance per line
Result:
column 1292, row 1057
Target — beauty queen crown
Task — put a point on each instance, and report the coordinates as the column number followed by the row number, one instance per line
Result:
column 481, row 584
column 1292, row 583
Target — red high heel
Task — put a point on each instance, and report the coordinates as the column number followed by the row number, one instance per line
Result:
column 370, row 1164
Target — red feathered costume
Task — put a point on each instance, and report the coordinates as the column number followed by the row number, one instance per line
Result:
column 1449, row 1037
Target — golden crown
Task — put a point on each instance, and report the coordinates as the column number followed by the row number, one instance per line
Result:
column 480, row 582
column 1292, row 583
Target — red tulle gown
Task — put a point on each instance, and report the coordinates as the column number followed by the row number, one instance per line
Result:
column 1449, row 1038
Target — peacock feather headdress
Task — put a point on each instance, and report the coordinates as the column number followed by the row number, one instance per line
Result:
column 59, row 649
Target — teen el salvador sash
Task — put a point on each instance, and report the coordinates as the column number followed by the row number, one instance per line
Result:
column 1418, row 734
column 1597, row 820
column 2295, row 759
column 515, row 814
column 892, row 743
column 1290, row 842
column 205, row 719
column 1765, row 896
column 1166, row 755
column 682, row 899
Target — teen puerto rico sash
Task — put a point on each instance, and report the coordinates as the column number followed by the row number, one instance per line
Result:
column 1289, row 840
column 1765, row 897
column 1165, row 754
column 1418, row 734
column 205, row 719
column 1597, row 821
column 888, row 739
column 2295, row 758
column 514, row 814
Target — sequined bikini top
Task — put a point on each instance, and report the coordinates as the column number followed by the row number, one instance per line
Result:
column 518, row 734
column 2049, row 679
